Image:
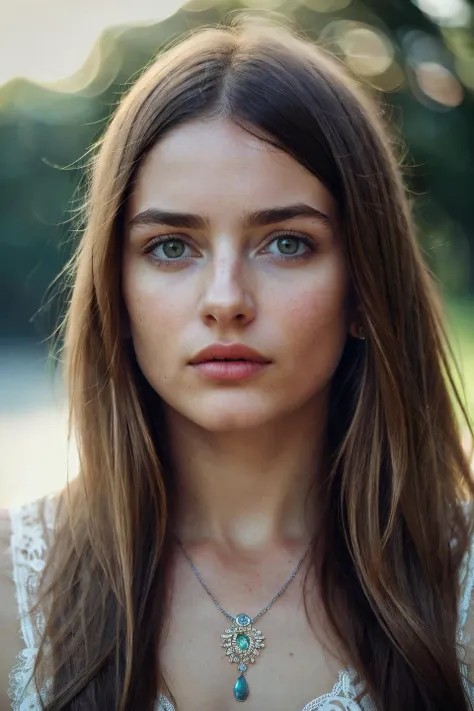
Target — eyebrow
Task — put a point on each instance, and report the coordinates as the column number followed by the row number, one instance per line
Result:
column 258, row 218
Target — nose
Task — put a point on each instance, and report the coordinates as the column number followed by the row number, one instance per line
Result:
column 226, row 298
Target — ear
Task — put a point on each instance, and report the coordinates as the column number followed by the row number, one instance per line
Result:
column 356, row 327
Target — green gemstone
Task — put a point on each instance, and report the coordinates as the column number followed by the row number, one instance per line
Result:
column 241, row 689
column 243, row 642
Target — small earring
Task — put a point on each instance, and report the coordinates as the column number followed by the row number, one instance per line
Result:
column 361, row 333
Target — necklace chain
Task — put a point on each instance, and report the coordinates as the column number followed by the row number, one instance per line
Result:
column 219, row 606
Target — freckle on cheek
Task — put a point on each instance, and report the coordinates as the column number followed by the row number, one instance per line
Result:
column 304, row 310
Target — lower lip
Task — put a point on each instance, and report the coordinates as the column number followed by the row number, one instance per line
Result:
column 230, row 370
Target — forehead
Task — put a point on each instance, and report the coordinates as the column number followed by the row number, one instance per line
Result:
column 208, row 166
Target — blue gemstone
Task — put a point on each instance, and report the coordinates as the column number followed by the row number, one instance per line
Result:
column 243, row 620
column 243, row 642
column 241, row 689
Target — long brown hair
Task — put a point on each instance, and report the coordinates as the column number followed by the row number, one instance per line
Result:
column 393, row 516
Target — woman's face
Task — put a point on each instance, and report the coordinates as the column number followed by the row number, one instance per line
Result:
column 277, row 284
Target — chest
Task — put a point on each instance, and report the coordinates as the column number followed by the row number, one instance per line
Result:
column 292, row 669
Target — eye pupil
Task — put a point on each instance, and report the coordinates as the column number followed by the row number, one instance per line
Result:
column 289, row 245
column 173, row 248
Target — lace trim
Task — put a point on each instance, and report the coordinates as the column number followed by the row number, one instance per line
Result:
column 164, row 704
column 465, row 603
column 28, row 546
column 341, row 696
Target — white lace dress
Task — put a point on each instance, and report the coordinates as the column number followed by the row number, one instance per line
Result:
column 28, row 545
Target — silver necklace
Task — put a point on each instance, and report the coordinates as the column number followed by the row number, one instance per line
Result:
column 241, row 641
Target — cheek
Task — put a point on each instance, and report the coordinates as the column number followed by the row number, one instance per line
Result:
column 150, row 317
column 148, row 302
column 315, row 324
column 316, row 312
column 151, row 314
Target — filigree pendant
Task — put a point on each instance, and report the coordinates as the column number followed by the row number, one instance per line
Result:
column 242, row 643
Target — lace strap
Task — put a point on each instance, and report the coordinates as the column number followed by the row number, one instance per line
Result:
column 466, row 578
column 465, row 612
column 164, row 704
column 342, row 695
column 30, row 529
column 466, row 587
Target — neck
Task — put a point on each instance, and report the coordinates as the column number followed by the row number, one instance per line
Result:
column 247, row 490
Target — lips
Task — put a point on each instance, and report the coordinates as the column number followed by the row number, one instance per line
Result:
column 228, row 352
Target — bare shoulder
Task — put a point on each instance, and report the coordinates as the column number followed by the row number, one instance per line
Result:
column 9, row 618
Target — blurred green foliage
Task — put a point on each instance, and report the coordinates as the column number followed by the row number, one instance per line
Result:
column 422, row 66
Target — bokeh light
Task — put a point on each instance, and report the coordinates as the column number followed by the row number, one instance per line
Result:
column 450, row 13
column 265, row 4
column 366, row 50
column 439, row 84
column 465, row 71
column 327, row 5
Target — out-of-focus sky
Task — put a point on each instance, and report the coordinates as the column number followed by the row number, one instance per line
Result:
column 33, row 42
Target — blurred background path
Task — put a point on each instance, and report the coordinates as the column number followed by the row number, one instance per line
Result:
column 33, row 426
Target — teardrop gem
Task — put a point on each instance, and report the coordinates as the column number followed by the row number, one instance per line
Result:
column 241, row 689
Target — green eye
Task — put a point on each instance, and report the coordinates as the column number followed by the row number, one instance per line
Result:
column 292, row 246
column 288, row 245
column 173, row 248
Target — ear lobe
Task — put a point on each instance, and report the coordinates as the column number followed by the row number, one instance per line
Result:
column 356, row 328
column 353, row 329
column 354, row 322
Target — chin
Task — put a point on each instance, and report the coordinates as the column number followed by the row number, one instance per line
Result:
column 228, row 427
column 225, row 414
column 230, row 421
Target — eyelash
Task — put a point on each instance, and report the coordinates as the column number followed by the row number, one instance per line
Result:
column 305, row 239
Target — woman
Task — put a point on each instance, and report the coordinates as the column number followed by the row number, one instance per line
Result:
column 300, row 511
